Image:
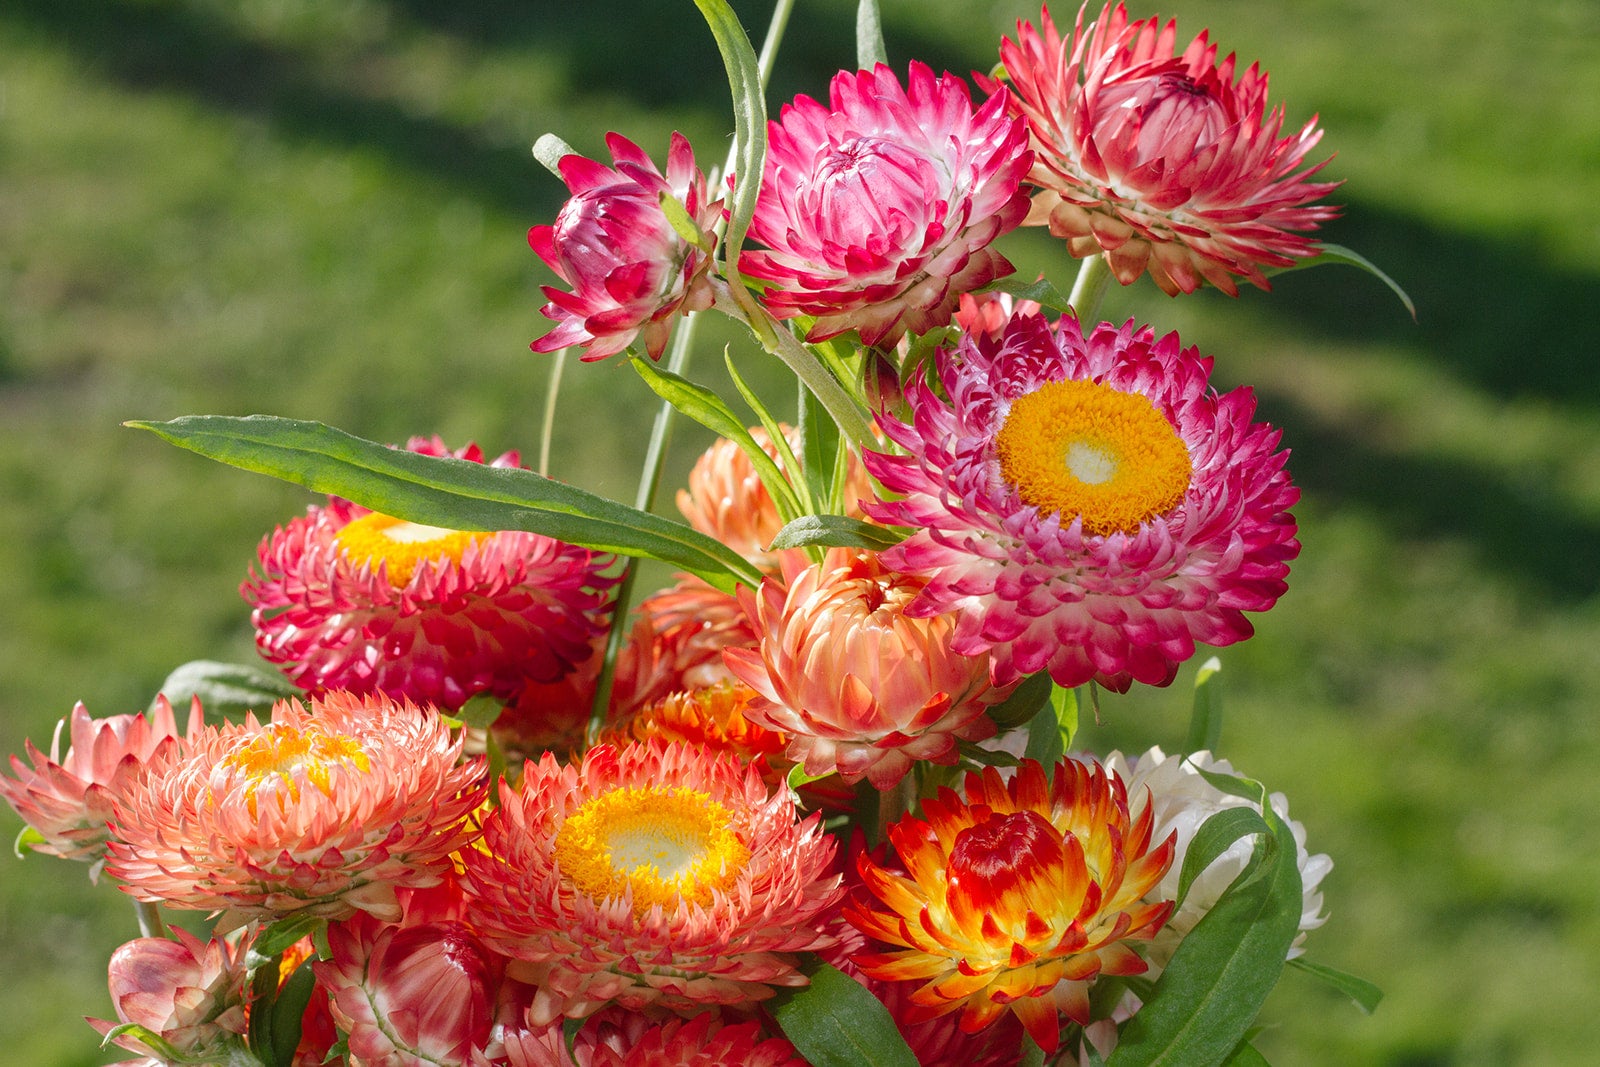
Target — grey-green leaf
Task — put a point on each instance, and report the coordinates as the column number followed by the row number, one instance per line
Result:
column 449, row 492
column 834, row 530
column 224, row 688
column 1364, row 993
column 749, row 123
column 870, row 49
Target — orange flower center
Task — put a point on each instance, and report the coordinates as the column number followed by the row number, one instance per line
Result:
column 1084, row 449
column 399, row 545
column 282, row 756
column 664, row 844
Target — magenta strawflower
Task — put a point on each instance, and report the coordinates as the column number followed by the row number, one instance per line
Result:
column 632, row 274
column 349, row 599
column 1087, row 503
column 878, row 210
column 1159, row 157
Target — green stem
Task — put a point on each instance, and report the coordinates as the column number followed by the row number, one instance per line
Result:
column 150, row 921
column 1094, row 278
column 558, row 363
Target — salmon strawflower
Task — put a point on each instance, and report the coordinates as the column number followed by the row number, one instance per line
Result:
column 1086, row 502
column 1014, row 897
column 67, row 799
column 1160, row 158
column 649, row 875
column 323, row 810
column 858, row 684
column 630, row 1039
column 350, row 599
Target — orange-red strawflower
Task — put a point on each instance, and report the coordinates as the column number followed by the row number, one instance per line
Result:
column 1014, row 896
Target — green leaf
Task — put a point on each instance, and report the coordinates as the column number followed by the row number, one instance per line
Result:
column 288, row 1012
column 869, row 35
column 479, row 712
column 225, row 688
column 27, row 840
column 1215, row 836
column 835, row 1022
column 163, row 1048
column 707, row 408
column 1205, row 721
column 275, row 939
column 1350, row 257
column 787, row 460
column 1207, row 998
column 834, row 530
column 975, row 753
column 1065, row 704
column 819, row 445
column 1023, row 703
column 1364, row 993
column 798, row 776
column 551, row 150
column 1041, row 292
column 449, row 492
column 749, row 126
column 1047, row 737
column 682, row 223
column 1246, row 1055
column 1032, row 1054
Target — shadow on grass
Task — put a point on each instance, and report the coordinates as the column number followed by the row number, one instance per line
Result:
column 1492, row 312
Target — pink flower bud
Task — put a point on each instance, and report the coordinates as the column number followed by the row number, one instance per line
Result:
column 189, row 993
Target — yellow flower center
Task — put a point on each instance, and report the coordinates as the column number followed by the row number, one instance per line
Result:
column 400, row 545
column 1085, row 449
column 665, row 844
column 283, row 756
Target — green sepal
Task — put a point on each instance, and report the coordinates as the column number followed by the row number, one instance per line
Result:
column 550, row 150
column 224, row 688
column 449, row 492
column 1366, row 995
column 835, row 1022
column 834, row 530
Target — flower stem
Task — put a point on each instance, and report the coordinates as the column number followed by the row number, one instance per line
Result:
column 557, row 365
column 1094, row 278
column 150, row 921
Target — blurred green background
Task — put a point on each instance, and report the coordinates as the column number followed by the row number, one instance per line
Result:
column 317, row 207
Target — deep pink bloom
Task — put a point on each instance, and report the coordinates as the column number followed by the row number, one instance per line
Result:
column 1087, row 503
column 878, row 210
column 350, row 599
column 189, row 993
column 631, row 273
column 631, row 1039
column 68, row 799
column 410, row 995
column 1161, row 158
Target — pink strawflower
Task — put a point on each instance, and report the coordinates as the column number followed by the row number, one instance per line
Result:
column 631, row 273
column 410, row 995
column 350, row 599
column 1160, row 158
column 676, row 644
column 652, row 875
column 324, row 810
column 1087, row 503
column 860, row 686
column 878, row 210
column 67, row 799
column 190, row 994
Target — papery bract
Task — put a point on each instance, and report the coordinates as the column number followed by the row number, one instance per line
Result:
column 1086, row 503
column 631, row 272
column 878, row 210
column 630, row 1039
column 192, row 994
column 1014, row 896
column 324, row 810
column 860, row 686
column 652, row 875
column 346, row 598
column 68, row 798
column 413, row 995
column 1159, row 158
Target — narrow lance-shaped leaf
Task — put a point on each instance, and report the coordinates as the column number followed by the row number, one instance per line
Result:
column 1205, row 721
column 869, row 35
column 834, row 530
column 749, row 125
column 550, row 150
column 450, row 492
column 1364, row 993
column 1350, row 257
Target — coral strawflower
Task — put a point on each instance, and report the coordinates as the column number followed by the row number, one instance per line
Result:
column 632, row 273
column 1087, row 503
column 350, row 599
column 1014, row 897
column 1161, row 158
column 615, row 1038
column 652, row 875
column 324, row 810
column 860, row 686
column 67, row 800
column 878, row 210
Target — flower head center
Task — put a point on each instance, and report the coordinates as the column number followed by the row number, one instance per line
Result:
column 664, row 844
column 400, row 546
column 282, row 757
column 1085, row 450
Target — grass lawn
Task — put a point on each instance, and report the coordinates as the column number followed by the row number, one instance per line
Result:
column 316, row 208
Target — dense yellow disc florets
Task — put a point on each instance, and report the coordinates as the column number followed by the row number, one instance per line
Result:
column 1078, row 448
column 285, row 756
column 666, row 845
column 400, row 545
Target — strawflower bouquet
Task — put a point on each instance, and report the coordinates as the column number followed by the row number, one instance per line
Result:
column 823, row 800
